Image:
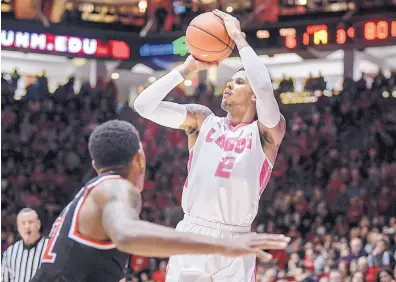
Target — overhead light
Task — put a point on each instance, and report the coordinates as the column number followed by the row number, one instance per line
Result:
column 152, row 79
column 385, row 94
column 142, row 6
column 79, row 62
column 229, row 9
column 115, row 75
column 187, row 82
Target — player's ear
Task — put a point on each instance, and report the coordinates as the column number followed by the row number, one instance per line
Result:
column 94, row 166
column 138, row 169
column 140, row 160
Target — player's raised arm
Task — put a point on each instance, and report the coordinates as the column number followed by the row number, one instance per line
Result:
column 149, row 103
column 267, row 107
column 120, row 204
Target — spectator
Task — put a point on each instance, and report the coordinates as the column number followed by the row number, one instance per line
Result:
column 161, row 13
column 357, row 248
column 380, row 256
column 385, row 275
column 335, row 276
column 361, row 84
column 358, row 277
column 379, row 81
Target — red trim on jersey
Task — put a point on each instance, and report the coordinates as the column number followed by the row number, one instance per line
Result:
column 188, row 167
column 48, row 255
column 265, row 175
column 235, row 127
column 255, row 273
column 74, row 225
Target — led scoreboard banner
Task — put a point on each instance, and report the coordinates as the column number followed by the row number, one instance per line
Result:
column 65, row 45
column 98, row 44
column 331, row 35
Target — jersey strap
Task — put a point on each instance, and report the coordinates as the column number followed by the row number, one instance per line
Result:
column 73, row 232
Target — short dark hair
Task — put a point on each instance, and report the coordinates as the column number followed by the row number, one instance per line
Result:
column 26, row 210
column 113, row 144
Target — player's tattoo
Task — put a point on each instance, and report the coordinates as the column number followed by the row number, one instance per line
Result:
column 265, row 138
column 192, row 131
column 200, row 113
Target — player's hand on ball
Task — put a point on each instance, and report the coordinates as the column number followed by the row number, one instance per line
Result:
column 231, row 23
column 193, row 65
column 254, row 244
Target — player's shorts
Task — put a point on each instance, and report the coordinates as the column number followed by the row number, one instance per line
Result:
column 211, row 268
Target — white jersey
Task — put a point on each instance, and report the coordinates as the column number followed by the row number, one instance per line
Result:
column 228, row 171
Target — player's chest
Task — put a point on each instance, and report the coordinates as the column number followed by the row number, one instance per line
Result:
column 222, row 139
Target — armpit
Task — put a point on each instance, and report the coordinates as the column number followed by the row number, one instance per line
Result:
column 273, row 136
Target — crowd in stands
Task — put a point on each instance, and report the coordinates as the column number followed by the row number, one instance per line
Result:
column 332, row 189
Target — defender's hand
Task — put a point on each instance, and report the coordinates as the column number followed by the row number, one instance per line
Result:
column 231, row 23
column 253, row 244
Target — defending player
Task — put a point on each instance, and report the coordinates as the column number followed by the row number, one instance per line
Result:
column 90, row 239
column 231, row 158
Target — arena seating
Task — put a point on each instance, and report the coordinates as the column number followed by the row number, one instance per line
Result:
column 333, row 188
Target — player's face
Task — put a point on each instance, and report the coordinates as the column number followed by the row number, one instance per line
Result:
column 28, row 226
column 237, row 92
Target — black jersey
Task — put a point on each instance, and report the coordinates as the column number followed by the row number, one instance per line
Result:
column 71, row 256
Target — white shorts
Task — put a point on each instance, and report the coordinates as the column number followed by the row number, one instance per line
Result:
column 210, row 268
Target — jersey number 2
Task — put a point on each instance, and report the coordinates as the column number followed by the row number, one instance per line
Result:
column 48, row 255
column 225, row 166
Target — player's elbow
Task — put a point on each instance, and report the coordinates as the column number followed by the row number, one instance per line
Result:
column 122, row 241
column 129, row 238
column 140, row 107
column 125, row 241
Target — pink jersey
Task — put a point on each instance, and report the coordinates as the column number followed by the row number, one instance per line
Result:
column 228, row 171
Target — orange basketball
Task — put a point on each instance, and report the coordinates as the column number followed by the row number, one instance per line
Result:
column 207, row 38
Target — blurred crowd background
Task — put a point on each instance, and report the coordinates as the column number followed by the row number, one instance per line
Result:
column 332, row 189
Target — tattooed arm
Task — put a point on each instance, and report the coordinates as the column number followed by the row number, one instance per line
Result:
column 196, row 114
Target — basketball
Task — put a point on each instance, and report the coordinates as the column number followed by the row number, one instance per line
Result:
column 207, row 38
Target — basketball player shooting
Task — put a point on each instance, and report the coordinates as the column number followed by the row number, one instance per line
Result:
column 90, row 240
column 230, row 160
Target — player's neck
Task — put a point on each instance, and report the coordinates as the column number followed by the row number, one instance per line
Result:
column 238, row 118
column 114, row 171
